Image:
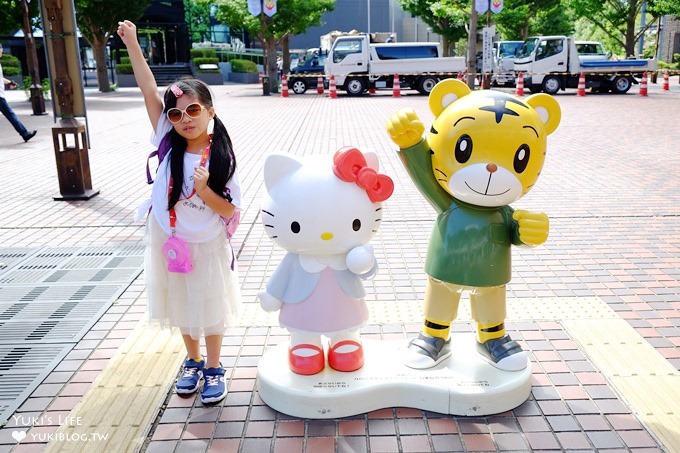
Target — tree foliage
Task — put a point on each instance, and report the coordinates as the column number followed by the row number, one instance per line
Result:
column 11, row 18
column 447, row 18
column 197, row 16
column 620, row 19
column 520, row 19
column 98, row 20
column 292, row 17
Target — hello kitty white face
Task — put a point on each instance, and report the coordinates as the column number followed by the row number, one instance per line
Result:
column 310, row 210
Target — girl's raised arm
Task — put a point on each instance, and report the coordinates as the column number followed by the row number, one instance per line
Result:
column 143, row 75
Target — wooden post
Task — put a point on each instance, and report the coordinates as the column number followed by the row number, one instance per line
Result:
column 70, row 136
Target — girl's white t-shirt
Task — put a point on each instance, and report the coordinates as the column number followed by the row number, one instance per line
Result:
column 196, row 221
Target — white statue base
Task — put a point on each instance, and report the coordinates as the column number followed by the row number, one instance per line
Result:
column 464, row 384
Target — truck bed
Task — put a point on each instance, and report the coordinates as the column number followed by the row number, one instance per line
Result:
column 418, row 65
column 619, row 65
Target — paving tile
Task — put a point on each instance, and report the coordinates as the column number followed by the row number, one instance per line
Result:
column 623, row 252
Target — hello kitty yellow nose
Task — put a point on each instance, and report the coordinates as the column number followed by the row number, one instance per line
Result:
column 326, row 235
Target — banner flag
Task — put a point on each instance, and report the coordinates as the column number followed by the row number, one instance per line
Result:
column 270, row 7
column 254, row 7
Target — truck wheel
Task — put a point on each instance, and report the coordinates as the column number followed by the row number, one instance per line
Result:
column 426, row 83
column 551, row 84
column 298, row 86
column 621, row 85
column 354, row 86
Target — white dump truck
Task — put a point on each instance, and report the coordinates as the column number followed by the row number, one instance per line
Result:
column 357, row 64
column 552, row 63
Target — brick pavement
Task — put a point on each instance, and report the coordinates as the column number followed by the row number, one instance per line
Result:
column 609, row 270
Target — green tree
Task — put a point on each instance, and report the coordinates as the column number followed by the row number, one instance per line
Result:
column 520, row 19
column 98, row 20
column 11, row 18
column 447, row 18
column 292, row 17
column 197, row 17
column 620, row 19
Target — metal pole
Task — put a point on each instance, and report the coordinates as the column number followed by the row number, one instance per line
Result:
column 369, row 16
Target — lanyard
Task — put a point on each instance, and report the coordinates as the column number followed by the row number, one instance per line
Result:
column 173, row 215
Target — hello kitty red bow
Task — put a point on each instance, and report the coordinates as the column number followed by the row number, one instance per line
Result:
column 349, row 164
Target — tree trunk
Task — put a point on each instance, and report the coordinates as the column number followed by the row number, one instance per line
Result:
column 472, row 48
column 285, row 54
column 270, row 64
column 99, row 49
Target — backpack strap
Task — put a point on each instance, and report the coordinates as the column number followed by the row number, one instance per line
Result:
column 161, row 152
column 149, row 179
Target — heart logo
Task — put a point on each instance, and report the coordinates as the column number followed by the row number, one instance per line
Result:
column 19, row 435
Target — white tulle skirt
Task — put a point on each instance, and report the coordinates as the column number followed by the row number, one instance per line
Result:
column 201, row 302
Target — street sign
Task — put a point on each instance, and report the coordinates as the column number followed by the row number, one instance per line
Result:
column 487, row 48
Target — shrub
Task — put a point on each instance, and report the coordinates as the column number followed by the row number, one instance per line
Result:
column 205, row 60
column 10, row 71
column 203, row 53
column 239, row 65
column 123, row 68
column 11, row 66
column 125, row 60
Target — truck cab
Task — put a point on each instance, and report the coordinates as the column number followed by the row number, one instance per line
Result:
column 504, row 53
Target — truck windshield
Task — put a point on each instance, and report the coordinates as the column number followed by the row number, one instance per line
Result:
column 508, row 49
column 527, row 47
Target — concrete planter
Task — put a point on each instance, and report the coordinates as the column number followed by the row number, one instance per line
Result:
column 243, row 77
column 210, row 78
column 225, row 68
column 125, row 80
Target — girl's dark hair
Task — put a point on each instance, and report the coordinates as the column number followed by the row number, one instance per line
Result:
column 222, row 158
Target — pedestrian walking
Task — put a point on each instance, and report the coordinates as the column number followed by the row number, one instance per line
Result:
column 7, row 110
column 191, row 279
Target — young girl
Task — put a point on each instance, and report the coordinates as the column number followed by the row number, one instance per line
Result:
column 196, row 188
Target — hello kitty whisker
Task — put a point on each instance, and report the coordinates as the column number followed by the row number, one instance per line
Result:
column 267, row 212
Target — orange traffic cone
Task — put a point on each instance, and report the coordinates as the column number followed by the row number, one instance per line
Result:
column 319, row 85
column 284, row 86
column 581, row 90
column 519, row 89
column 331, row 87
column 643, row 84
column 666, row 86
column 396, row 86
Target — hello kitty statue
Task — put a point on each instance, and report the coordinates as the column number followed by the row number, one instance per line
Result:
column 323, row 213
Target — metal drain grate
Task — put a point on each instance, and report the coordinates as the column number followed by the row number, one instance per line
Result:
column 49, row 299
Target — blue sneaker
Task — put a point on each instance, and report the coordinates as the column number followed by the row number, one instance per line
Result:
column 214, row 385
column 188, row 382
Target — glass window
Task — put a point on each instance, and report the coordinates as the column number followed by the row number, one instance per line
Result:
column 395, row 51
column 526, row 49
column 346, row 47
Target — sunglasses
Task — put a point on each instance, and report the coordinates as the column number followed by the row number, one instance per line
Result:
column 175, row 115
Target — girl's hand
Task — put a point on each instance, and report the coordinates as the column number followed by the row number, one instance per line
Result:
column 201, row 175
column 127, row 32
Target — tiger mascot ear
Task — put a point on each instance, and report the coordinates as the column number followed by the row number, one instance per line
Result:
column 446, row 92
column 548, row 109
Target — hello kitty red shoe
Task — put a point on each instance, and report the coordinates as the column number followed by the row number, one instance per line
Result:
column 302, row 362
column 350, row 359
